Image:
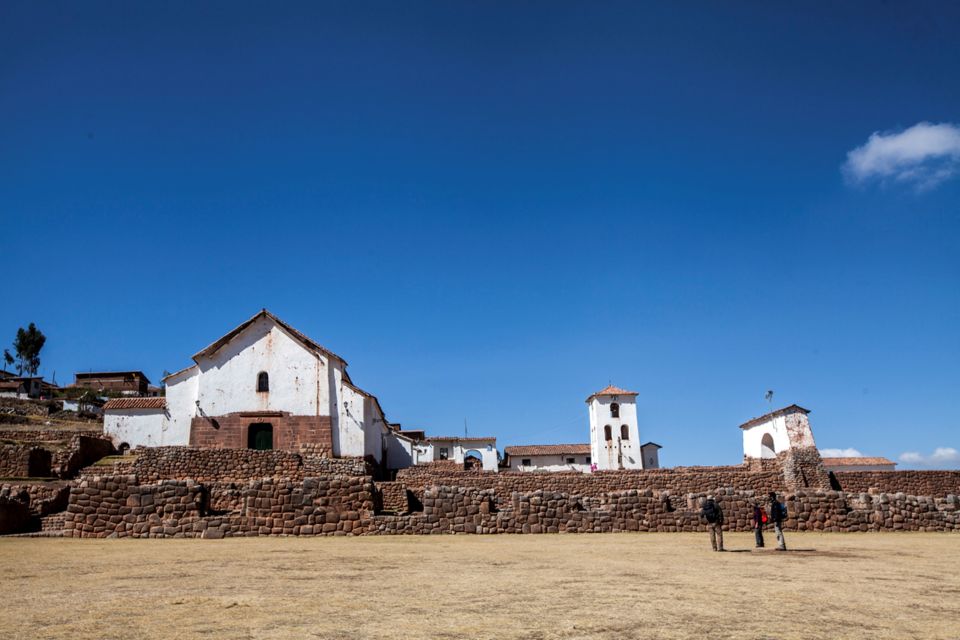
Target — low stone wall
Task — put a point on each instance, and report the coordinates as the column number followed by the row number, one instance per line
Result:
column 23, row 461
column 237, row 465
column 119, row 506
column 678, row 481
column 392, row 496
column 47, row 435
column 467, row 510
column 41, row 498
column 918, row 483
column 80, row 451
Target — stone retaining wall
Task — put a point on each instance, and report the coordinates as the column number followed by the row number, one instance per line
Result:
column 24, row 461
column 678, row 481
column 41, row 498
column 919, row 483
column 338, row 505
column 237, row 465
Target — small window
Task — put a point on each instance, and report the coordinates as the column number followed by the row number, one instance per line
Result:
column 263, row 382
column 444, row 453
column 525, row 462
column 614, row 410
column 570, row 460
column 587, row 460
column 608, row 433
column 624, row 432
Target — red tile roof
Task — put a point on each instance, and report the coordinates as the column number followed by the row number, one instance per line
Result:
column 852, row 461
column 135, row 403
column 548, row 450
column 773, row 414
column 612, row 391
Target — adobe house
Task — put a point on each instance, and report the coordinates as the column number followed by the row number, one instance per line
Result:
column 133, row 383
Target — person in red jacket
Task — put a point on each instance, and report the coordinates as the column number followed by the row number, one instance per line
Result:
column 759, row 519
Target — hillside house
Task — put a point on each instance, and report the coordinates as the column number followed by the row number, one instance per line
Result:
column 128, row 383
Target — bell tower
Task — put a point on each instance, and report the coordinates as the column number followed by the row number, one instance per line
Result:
column 614, row 434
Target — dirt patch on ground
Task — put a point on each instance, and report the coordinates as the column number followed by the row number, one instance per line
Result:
column 550, row 586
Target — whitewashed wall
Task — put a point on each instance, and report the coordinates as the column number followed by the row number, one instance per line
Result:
column 753, row 438
column 136, row 427
column 297, row 375
column 181, row 399
column 550, row 463
column 457, row 451
column 606, row 457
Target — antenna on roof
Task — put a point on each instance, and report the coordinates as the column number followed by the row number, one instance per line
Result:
column 769, row 398
column 464, row 427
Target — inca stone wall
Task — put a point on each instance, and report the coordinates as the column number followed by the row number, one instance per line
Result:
column 237, row 465
column 677, row 481
column 119, row 506
column 24, row 461
column 918, row 483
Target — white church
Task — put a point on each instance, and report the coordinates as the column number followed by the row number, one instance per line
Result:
column 263, row 385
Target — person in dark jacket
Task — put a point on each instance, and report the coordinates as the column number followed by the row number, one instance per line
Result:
column 758, row 521
column 777, row 515
column 713, row 514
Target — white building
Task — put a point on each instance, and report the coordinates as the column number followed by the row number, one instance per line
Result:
column 614, row 441
column 458, row 449
column 263, row 385
column 614, row 434
column 549, row 457
column 777, row 431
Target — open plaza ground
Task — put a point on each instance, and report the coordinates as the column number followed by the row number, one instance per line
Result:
column 550, row 586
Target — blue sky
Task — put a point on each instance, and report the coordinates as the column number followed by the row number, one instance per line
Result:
column 492, row 210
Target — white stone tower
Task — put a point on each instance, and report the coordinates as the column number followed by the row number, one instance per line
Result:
column 614, row 434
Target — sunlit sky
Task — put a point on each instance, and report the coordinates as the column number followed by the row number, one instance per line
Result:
column 492, row 210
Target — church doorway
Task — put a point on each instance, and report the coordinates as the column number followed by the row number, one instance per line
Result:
column 260, row 436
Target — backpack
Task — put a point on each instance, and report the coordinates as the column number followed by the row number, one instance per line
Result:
column 710, row 511
column 783, row 510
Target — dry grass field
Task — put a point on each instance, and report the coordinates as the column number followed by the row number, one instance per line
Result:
column 550, row 586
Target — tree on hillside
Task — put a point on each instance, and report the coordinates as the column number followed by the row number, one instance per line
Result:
column 27, row 346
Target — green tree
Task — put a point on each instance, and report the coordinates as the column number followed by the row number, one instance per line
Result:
column 27, row 346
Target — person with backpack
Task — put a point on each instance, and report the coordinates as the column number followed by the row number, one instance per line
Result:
column 778, row 513
column 713, row 514
column 759, row 519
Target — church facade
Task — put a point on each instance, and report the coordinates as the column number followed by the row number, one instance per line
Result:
column 264, row 385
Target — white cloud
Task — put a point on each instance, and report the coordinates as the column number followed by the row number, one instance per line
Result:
column 924, row 155
column 941, row 457
column 841, row 453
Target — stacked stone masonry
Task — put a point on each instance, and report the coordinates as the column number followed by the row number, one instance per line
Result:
column 918, row 483
column 119, row 506
column 238, row 465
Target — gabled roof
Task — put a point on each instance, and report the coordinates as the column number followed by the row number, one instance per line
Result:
column 135, row 403
column 548, row 450
column 176, row 373
column 851, row 461
column 651, row 444
column 463, row 438
column 263, row 313
column 612, row 391
column 773, row 414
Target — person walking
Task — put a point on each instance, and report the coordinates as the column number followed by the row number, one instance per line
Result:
column 714, row 516
column 759, row 519
column 778, row 513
